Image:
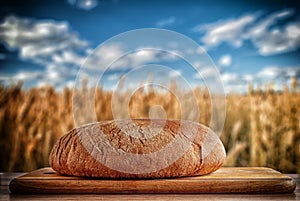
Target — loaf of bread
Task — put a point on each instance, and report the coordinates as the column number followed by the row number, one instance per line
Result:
column 138, row 148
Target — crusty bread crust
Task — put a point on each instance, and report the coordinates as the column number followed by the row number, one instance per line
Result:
column 73, row 154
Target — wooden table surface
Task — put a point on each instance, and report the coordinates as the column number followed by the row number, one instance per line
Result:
column 5, row 178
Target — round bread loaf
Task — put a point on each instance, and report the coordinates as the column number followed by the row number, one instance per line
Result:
column 138, row 148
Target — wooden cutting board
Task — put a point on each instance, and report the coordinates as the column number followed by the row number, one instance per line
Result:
column 225, row 180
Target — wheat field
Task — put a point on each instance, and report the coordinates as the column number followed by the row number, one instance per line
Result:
column 262, row 128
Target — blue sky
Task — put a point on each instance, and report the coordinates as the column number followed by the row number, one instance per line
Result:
column 46, row 42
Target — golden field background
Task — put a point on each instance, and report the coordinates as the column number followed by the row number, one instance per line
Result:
column 262, row 128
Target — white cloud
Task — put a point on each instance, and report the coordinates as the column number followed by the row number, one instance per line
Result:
column 277, row 75
column 42, row 42
column 262, row 26
column 267, row 35
column 57, row 48
column 109, row 55
column 270, row 72
column 84, row 4
column 275, row 72
column 230, row 78
column 200, row 50
column 70, row 84
column 279, row 40
column 248, row 78
column 68, row 57
column 54, row 46
column 205, row 73
column 57, row 77
column 51, row 44
column 197, row 64
column 166, row 22
column 271, row 39
column 4, row 77
column 25, row 76
column 37, row 40
column 142, row 56
column 236, row 83
column 225, row 31
column 115, row 57
column 175, row 73
column 267, row 74
column 225, row 60
column 42, row 83
column 113, row 77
